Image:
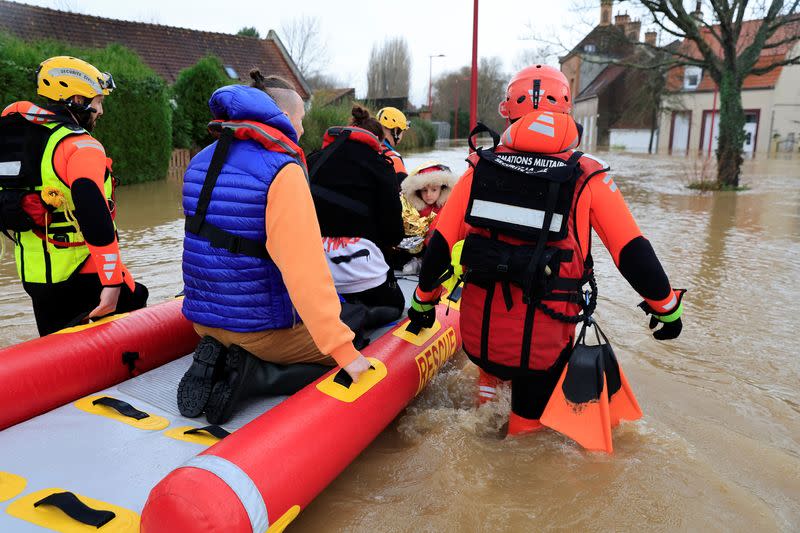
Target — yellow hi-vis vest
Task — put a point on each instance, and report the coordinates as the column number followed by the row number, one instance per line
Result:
column 38, row 262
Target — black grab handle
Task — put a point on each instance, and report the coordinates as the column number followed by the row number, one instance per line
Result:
column 123, row 408
column 344, row 379
column 213, row 430
column 70, row 505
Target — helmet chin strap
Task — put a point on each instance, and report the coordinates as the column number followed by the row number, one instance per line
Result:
column 82, row 113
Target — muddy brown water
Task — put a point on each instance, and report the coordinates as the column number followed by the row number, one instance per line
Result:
column 718, row 448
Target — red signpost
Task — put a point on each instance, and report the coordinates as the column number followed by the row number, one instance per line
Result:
column 473, row 96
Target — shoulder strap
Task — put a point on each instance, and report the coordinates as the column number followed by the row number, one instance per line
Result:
column 480, row 127
column 329, row 195
column 328, row 152
column 194, row 222
column 197, row 224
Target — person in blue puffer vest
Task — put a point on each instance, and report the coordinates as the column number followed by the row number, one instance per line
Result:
column 257, row 286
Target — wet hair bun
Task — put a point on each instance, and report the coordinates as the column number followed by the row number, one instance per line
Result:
column 359, row 113
column 258, row 79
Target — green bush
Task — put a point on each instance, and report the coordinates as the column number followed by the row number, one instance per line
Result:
column 421, row 135
column 192, row 91
column 136, row 127
column 320, row 118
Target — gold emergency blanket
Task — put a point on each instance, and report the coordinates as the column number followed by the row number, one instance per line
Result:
column 416, row 227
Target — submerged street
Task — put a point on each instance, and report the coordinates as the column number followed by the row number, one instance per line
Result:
column 718, row 447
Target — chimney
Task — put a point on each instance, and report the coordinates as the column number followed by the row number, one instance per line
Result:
column 622, row 20
column 633, row 30
column 697, row 14
column 650, row 38
column 605, row 12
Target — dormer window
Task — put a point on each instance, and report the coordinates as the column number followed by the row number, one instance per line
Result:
column 229, row 70
column 691, row 77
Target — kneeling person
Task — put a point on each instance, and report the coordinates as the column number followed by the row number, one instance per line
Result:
column 257, row 282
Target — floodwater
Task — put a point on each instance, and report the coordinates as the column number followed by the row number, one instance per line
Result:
column 718, row 448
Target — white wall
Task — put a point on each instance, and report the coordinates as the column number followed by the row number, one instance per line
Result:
column 585, row 112
column 629, row 140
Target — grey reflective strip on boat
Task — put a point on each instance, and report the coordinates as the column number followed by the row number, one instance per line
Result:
column 240, row 483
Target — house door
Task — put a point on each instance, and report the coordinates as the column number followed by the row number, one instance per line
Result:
column 681, row 126
column 750, row 131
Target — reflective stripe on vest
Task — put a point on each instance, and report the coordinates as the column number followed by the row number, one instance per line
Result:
column 36, row 261
column 241, row 485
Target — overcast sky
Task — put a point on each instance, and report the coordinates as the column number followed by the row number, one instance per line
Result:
column 351, row 28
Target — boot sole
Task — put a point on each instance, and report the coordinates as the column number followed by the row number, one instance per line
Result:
column 222, row 399
column 194, row 389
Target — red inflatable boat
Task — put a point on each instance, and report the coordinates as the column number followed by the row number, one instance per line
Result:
column 92, row 434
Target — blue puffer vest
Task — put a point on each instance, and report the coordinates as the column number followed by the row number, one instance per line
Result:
column 225, row 290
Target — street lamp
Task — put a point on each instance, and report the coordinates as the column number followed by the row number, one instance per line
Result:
column 430, row 80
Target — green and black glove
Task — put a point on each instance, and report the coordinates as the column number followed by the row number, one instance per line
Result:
column 421, row 315
column 672, row 324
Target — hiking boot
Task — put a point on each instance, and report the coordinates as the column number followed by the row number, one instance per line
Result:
column 195, row 386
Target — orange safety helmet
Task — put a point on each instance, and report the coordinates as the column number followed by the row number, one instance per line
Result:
column 539, row 87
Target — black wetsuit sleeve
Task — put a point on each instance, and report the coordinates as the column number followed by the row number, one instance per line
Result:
column 91, row 211
column 639, row 265
column 435, row 262
column 389, row 211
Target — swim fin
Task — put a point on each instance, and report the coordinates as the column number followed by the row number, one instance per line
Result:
column 622, row 404
column 591, row 396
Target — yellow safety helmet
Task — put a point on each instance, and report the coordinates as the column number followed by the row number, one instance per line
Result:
column 392, row 118
column 61, row 77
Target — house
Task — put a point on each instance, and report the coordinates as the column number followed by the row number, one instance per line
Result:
column 771, row 101
column 334, row 97
column 610, row 100
column 166, row 49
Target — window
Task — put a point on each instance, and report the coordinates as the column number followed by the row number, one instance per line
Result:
column 691, row 77
column 231, row 72
column 589, row 48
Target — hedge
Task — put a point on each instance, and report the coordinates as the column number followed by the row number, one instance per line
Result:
column 422, row 133
column 136, row 127
column 191, row 92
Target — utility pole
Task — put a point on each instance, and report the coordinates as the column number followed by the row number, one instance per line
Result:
column 430, row 82
column 473, row 97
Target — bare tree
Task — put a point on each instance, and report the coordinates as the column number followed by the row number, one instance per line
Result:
column 544, row 54
column 729, row 49
column 452, row 91
column 305, row 42
column 389, row 71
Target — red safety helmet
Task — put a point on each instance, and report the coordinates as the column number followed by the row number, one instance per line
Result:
column 539, row 87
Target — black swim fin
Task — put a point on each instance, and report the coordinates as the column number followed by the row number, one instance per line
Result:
column 591, row 396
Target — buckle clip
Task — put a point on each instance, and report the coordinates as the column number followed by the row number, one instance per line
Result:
column 235, row 244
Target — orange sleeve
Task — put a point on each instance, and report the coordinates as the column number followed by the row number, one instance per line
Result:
column 80, row 156
column 610, row 216
column 399, row 166
column 83, row 157
column 632, row 253
column 294, row 242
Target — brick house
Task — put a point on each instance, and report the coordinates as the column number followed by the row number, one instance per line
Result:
column 605, row 95
column 771, row 102
column 166, row 49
